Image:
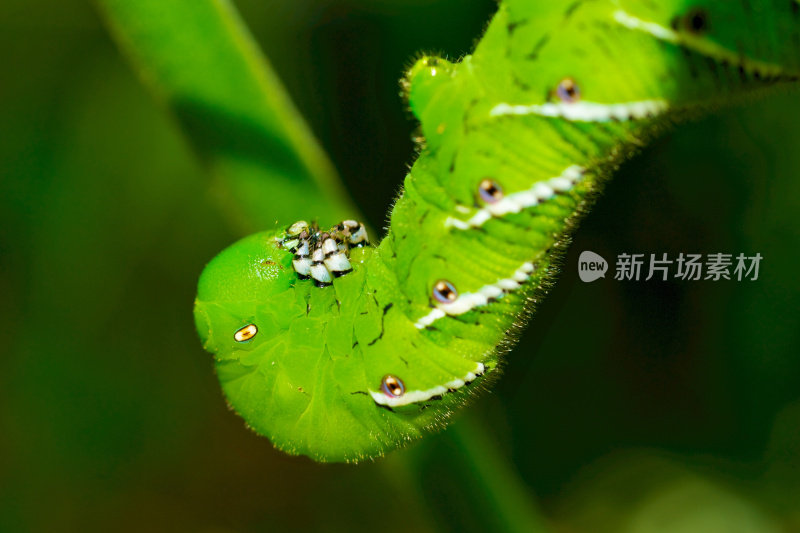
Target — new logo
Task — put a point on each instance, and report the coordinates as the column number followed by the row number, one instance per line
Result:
column 591, row 266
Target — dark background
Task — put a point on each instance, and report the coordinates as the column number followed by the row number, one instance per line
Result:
column 628, row 406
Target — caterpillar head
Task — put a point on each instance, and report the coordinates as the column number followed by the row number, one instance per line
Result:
column 425, row 79
column 432, row 87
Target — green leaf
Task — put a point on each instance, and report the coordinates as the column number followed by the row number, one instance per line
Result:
column 201, row 62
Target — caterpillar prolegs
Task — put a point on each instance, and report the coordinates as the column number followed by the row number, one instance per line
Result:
column 381, row 343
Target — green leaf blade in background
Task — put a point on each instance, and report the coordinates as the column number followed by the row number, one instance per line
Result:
column 111, row 418
column 200, row 60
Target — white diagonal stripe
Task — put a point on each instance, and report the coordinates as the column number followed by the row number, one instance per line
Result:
column 586, row 111
column 699, row 44
column 415, row 396
column 516, row 202
column 656, row 30
column 470, row 300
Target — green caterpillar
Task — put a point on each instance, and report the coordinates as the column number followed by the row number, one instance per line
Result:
column 342, row 351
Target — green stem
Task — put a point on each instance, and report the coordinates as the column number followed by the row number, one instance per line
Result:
column 498, row 482
column 201, row 62
column 466, row 481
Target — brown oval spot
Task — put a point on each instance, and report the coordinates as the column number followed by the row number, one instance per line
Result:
column 490, row 191
column 392, row 386
column 445, row 292
column 568, row 91
column 246, row 333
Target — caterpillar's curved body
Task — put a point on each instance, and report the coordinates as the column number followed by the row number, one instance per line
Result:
column 516, row 136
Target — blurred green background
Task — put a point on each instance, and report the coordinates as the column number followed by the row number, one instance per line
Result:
column 640, row 407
